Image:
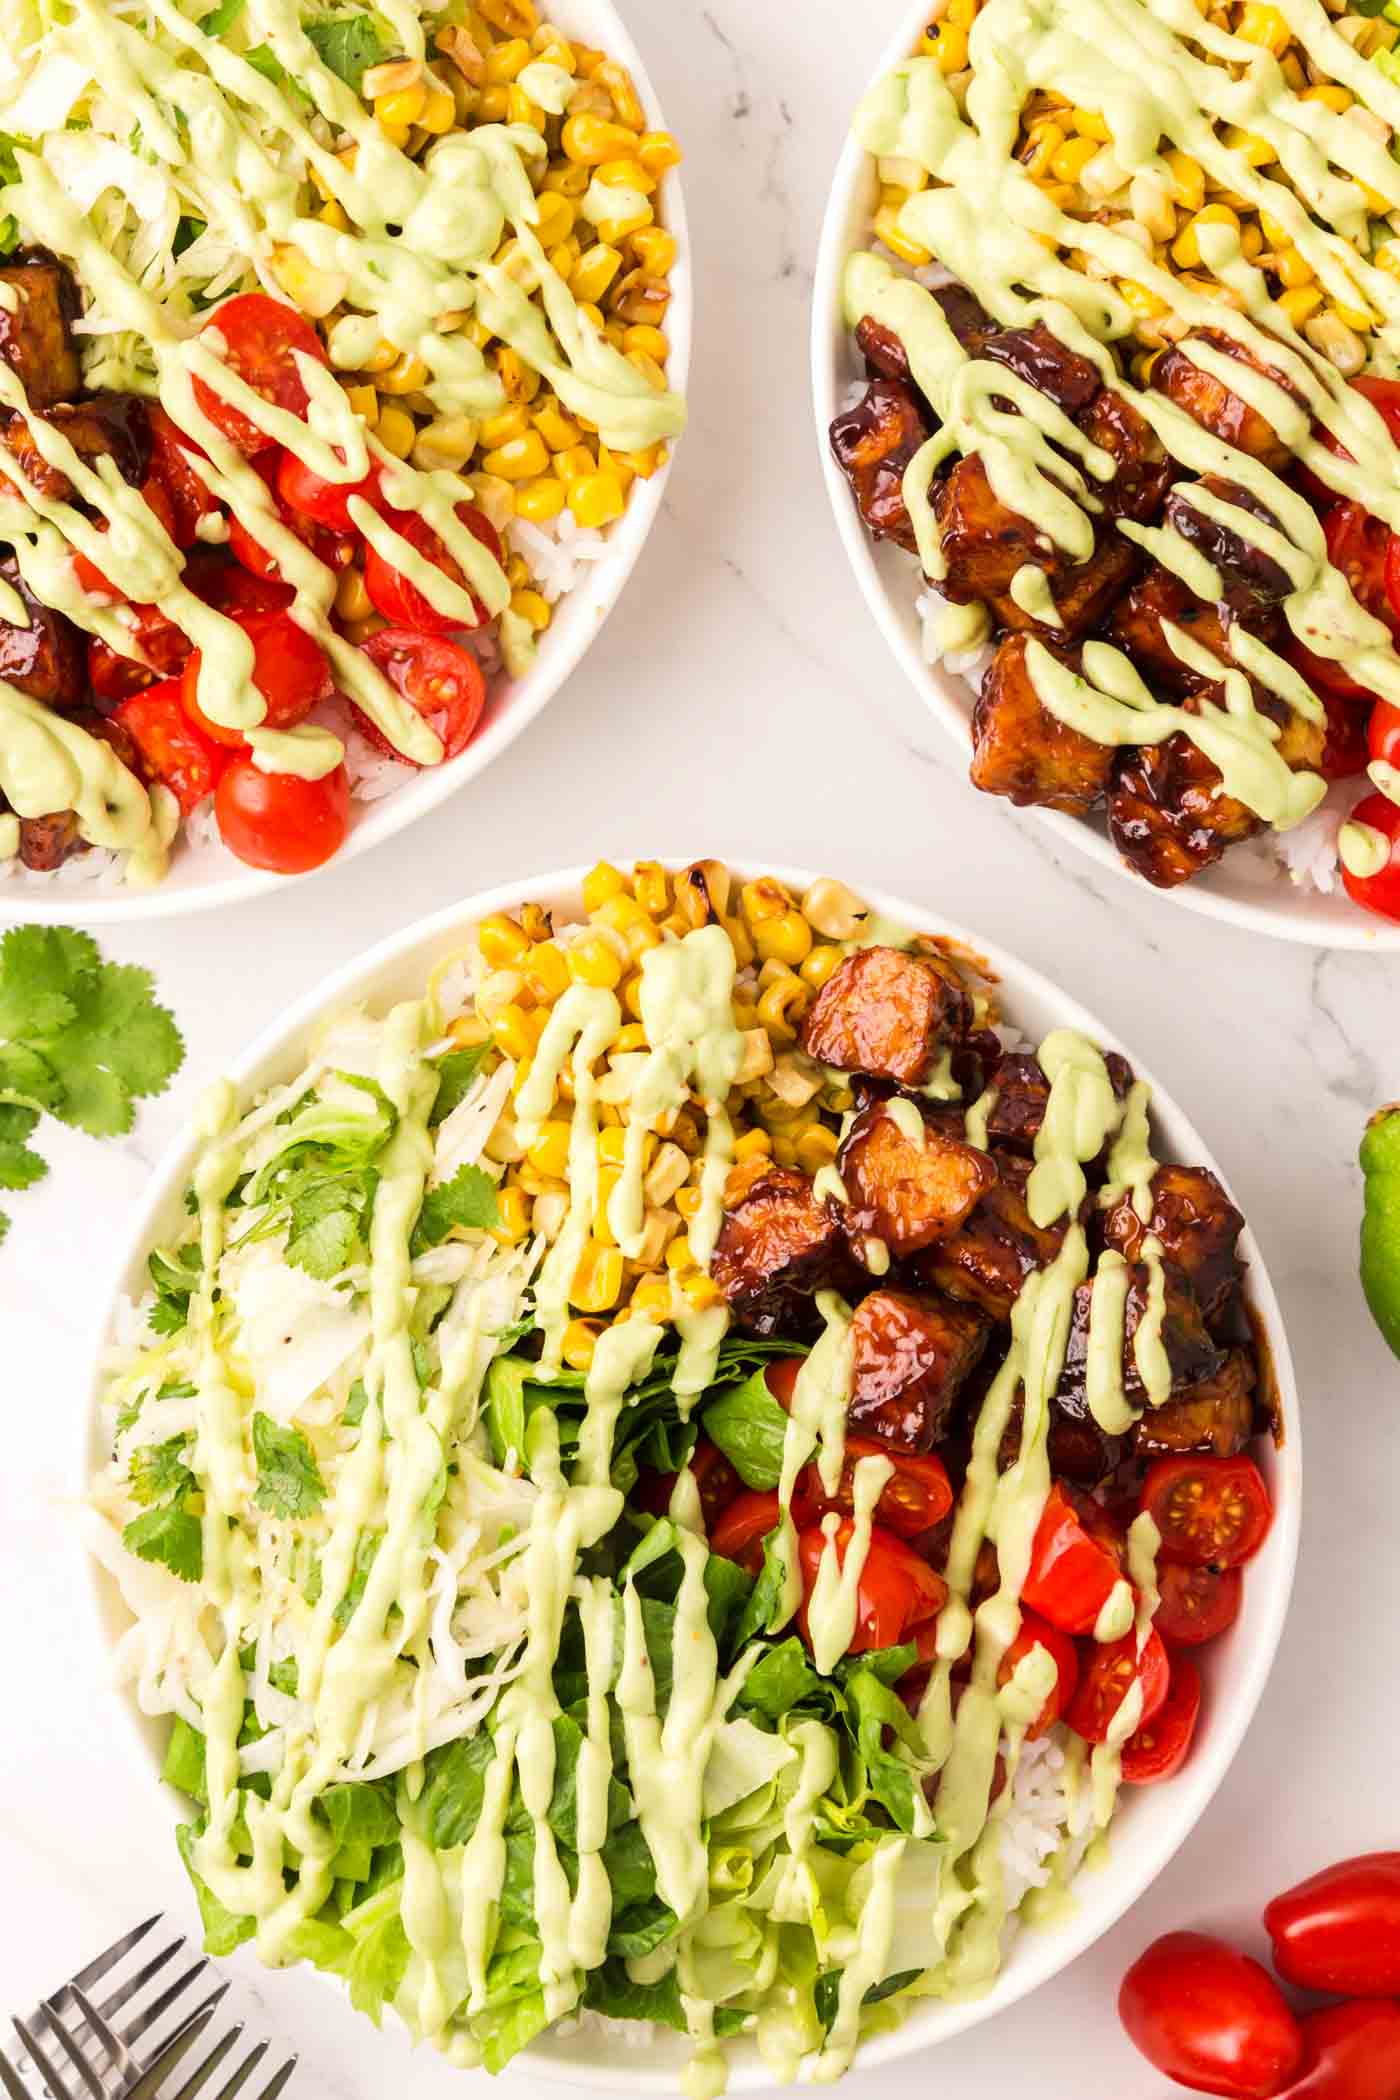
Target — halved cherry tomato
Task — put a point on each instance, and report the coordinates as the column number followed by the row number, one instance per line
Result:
column 1344, row 752
column 1039, row 1633
column 1384, row 396
column 1351, row 2052
column 401, row 602
column 1197, row 1603
column 90, row 577
column 442, row 681
column 1209, row 2018
column 740, row 1532
column 1326, row 675
column 781, row 1377
column 232, row 589
column 1107, row 1677
column 714, row 1476
column 173, row 750
column 1383, row 729
column 261, row 338
column 171, row 454
column 113, row 675
column 896, row 1594
column 1359, row 545
column 1209, row 1511
column 1073, row 1565
column 914, row 1498
column 1380, row 892
column 289, row 670
column 280, row 821
column 1339, row 1930
column 1158, row 1748
column 319, row 501
column 336, row 549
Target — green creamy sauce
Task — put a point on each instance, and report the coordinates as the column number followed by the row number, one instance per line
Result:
column 1147, row 66
column 420, row 249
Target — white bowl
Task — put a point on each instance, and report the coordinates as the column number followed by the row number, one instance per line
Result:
column 205, row 876
column 1246, row 889
column 1152, row 1821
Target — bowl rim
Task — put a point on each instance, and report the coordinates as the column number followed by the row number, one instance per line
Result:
column 601, row 586
column 1303, row 917
column 1047, row 1953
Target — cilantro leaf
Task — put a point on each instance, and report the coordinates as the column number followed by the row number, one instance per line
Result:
column 20, row 1168
column 366, row 1547
column 171, row 1536
column 289, row 1479
column 222, row 17
column 158, row 1473
column 325, row 1224
column 175, row 1277
column 468, row 1200
column 356, row 1402
column 350, row 45
column 456, row 1076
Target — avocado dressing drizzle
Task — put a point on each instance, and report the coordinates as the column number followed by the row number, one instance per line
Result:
column 1147, row 66
column 417, row 255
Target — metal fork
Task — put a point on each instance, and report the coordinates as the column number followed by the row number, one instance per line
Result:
column 99, row 2060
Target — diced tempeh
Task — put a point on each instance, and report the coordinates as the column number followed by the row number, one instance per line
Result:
column 47, row 842
column 885, row 355
column 984, row 545
column 988, row 1259
column 46, row 659
column 1022, row 1092
column 1078, row 1449
column 912, row 1352
column 36, row 333
column 873, row 443
column 1212, row 404
column 888, row 1013
column 1244, row 566
column 778, row 1243
column 1167, row 815
column 1191, row 1353
column 110, row 426
column 1139, row 486
column 907, row 1191
column 1214, row 1416
column 1022, row 751
column 1037, row 356
column 1197, row 1225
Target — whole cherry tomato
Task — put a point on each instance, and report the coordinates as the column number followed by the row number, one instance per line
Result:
column 1210, row 2018
column 1383, row 730
column 280, row 821
column 1359, row 545
column 1106, row 1679
column 174, row 751
column 1073, row 1567
column 261, row 338
column 1209, row 1511
column 1340, row 1930
column 322, row 502
column 1197, row 1603
column 400, row 600
column 896, row 1594
column 1158, row 1748
column 1380, row 892
column 1351, row 2052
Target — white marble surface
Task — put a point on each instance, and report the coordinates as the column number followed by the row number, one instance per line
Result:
column 740, row 702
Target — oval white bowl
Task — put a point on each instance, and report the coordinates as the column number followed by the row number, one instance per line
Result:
column 205, row 876
column 1244, row 890
column 1152, row 1821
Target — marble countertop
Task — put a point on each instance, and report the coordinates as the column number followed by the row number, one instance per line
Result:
column 740, row 702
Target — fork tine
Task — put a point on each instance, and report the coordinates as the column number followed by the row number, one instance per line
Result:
column 280, row 2080
column 244, row 2072
column 52, row 2077
column 201, row 2074
column 118, row 2055
column 11, row 2080
column 97, row 1969
column 72, row 2051
column 132, row 1986
column 146, row 2019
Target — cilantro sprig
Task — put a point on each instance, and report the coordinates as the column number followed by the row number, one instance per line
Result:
column 81, row 1040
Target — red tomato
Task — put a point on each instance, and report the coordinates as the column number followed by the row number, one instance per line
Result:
column 1210, row 1511
column 781, row 1377
column 1351, row 2052
column 1209, row 2018
column 1379, row 893
column 1106, row 1679
column 113, row 675
column 400, row 601
column 261, row 336
column 740, row 1532
column 441, row 680
column 1384, row 395
column 1344, row 752
column 279, row 821
column 322, row 502
column 289, row 670
column 1325, row 675
column 716, row 1478
column 1073, row 1567
column 1159, row 1747
column 336, row 549
column 1383, row 730
column 234, row 590
column 914, row 1498
column 90, row 577
column 171, row 454
column 1197, row 1603
column 1359, row 545
column 173, row 750
column 897, row 1591
column 1340, row 1929
column 1039, row 1633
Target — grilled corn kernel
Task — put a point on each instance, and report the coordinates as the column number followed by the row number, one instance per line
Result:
column 888, row 230
column 533, row 608
column 352, row 600
column 598, row 1279
column 520, row 459
column 396, row 430
column 687, row 1202
column 655, row 250
column 782, row 1005
column 404, row 106
column 580, row 1341
column 549, row 1152
column 556, row 218
column 469, row 1031
column 405, row 376
column 1261, row 24
column 545, row 971
column 591, row 140
column 439, row 111
column 651, row 886
column 512, row 1217
column 1186, row 248
column 593, row 960
column 817, row 1148
column 652, row 1301
column 1337, row 342
column 503, row 943
column 1358, row 317
column 700, row 1291
column 596, row 499
column 597, row 267
column 601, row 882
column 558, row 430
column 785, row 939
column 514, row 1031
column 763, row 899
column 820, row 965
column 1331, row 94
column 640, row 300
column 1146, row 305
column 448, row 441
column 511, row 17
column 364, row 400
column 754, row 1144
column 1069, row 161
column 1300, row 304
column 505, row 60
column 1090, row 125
column 1292, row 268
column 1188, row 179
column 493, row 104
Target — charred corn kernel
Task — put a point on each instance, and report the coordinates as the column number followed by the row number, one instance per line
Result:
column 396, row 430
column 531, row 607
column 597, row 267
column 1331, row 94
column 1090, row 125
column 1146, row 305
column 545, row 971
column 950, row 47
column 1337, row 342
column 504, row 943
column 405, row 375
column 754, row 1144
column 448, row 441
column 511, row 17
column 700, row 1291
column 628, row 174
column 1069, row 161
column 439, row 111
column 1261, row 24
column 1186, row 248
column 609, row 463
column 573, row 463
column 1300, row 304
column 651, row 1301
column 833, row 910
column 655, row 250
column 556, row 218
column 364, row 400
column 640, row 300
column 1188, row 179
column 317, row 292
column 590, row 140
column 598, row 1279
column 1045, row 140
column 817, row 1148
column 782, row 1005
column 612, row 1147
column 352, row 600
column 513, row 1031
column 404, row 107
column 687, row 1202
column 651, row 886
column 785, row 939
column 626, row 917
column 553, row 47
column 593, row 960
column 517, row 574
column 593, row 316
column 558, row 430
column 1275, row 232
column 629, row 1038
column 512, row 1217
column 678, row 1254
column 335, row 216
column 502, row 62
column 888, row 230
column 622, row 93
column 763, row 899
column 820, row 966
column 549, row 1152
column 521, row 110
column 580, row 1341
column 1388, row 258
column 565, row 257
column 601, row 882
column 1291, row 67
column 568, row 177
column 645, row 464
column 1358, row 317
column 1251, row 242
column 520, row 459
column 493, row 104
column 1257, row 151
column 520, row 380
column 596, row 499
